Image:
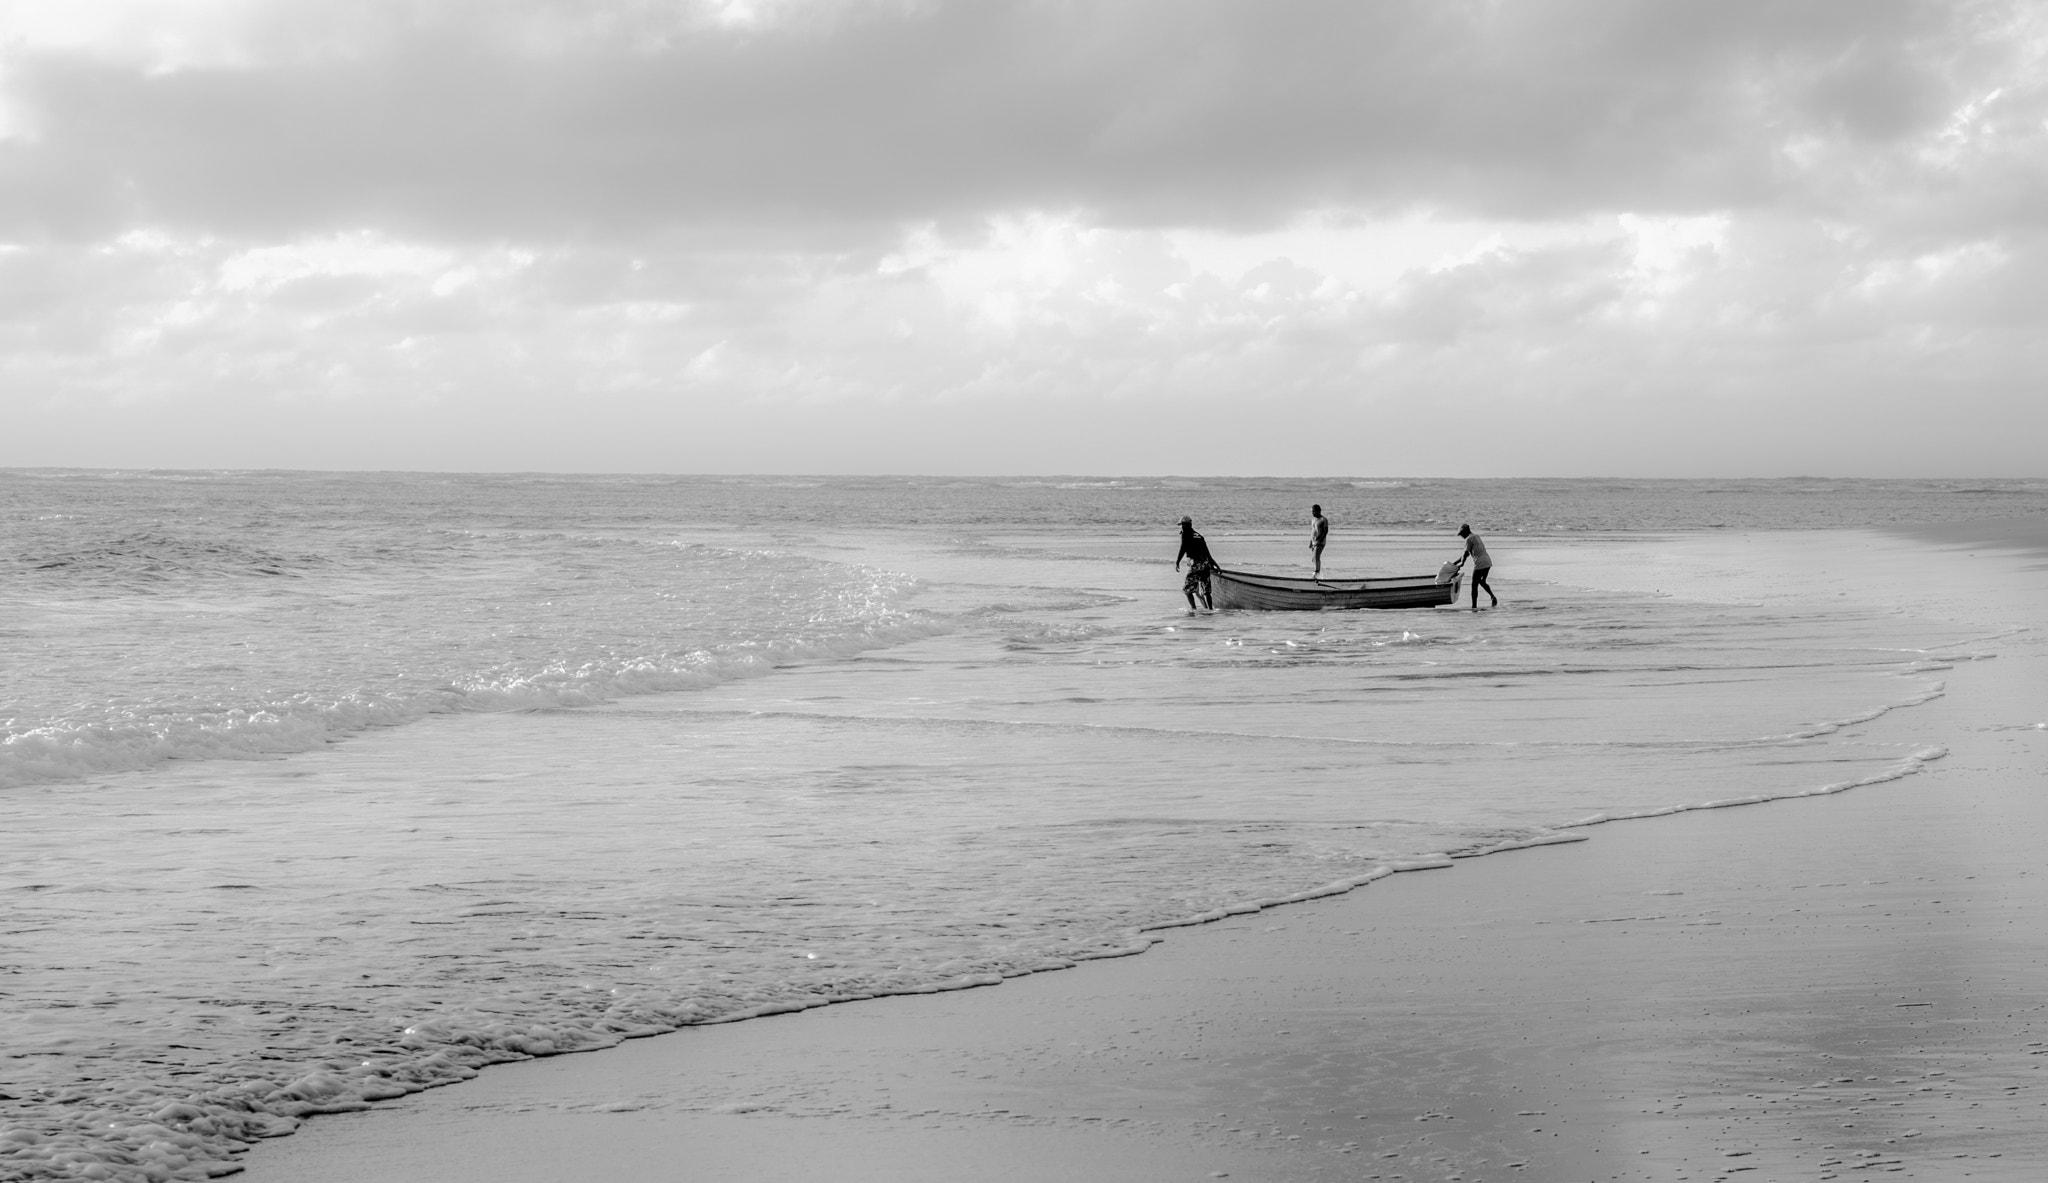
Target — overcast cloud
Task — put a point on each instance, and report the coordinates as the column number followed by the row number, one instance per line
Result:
column 1554, row 237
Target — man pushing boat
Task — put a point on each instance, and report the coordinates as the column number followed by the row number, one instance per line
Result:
column 1195, row 549
column 1482, row 563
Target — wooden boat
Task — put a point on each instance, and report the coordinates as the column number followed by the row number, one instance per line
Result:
column 1244, row 589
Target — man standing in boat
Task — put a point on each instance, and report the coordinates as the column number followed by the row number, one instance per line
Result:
column 1318, row 536
column 1481, row 564
column 1195, row 549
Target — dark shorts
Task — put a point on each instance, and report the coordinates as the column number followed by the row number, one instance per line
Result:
column 1198, row 579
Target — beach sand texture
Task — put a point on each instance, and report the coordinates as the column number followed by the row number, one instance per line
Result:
column 1844, row 986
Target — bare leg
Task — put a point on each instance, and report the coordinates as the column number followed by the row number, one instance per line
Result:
column 1479, row 581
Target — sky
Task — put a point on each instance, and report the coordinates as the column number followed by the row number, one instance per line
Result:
column 1355, row 237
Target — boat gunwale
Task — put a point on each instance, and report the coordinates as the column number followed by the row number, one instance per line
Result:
column 1305, row 583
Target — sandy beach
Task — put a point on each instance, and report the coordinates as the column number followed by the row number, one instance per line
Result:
column 1830, row 987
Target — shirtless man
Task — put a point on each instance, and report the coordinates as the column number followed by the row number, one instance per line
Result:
column 1481, row 564
column 1195, row 549
column 1318, row 536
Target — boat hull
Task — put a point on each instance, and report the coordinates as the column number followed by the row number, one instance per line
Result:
column 1284, row 593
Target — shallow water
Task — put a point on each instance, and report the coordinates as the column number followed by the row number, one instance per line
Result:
column 321, row 789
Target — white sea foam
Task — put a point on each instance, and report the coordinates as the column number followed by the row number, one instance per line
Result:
column 141, row 739
column 355, row 653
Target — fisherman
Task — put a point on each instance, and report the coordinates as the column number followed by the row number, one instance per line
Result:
column 1481, row 564
column 1195, row 549
column 1318, row 536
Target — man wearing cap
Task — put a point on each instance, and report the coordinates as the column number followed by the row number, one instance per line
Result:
column 1195, row 549
column 1481, row 564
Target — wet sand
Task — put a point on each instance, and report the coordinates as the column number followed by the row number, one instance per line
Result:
column 1830, row 987
column 2027, row 534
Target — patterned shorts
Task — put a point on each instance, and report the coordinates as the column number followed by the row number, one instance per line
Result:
column 1198, row 578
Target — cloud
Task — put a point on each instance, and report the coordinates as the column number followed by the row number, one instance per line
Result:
column 467, row 234
column 490, row 120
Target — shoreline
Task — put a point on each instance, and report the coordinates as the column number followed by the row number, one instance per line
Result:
column 1062, row 780
column 1543, row 1016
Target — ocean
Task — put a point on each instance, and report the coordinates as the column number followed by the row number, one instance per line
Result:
column 319, row 789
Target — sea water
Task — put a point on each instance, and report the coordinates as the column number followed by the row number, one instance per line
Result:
column 318, row 789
